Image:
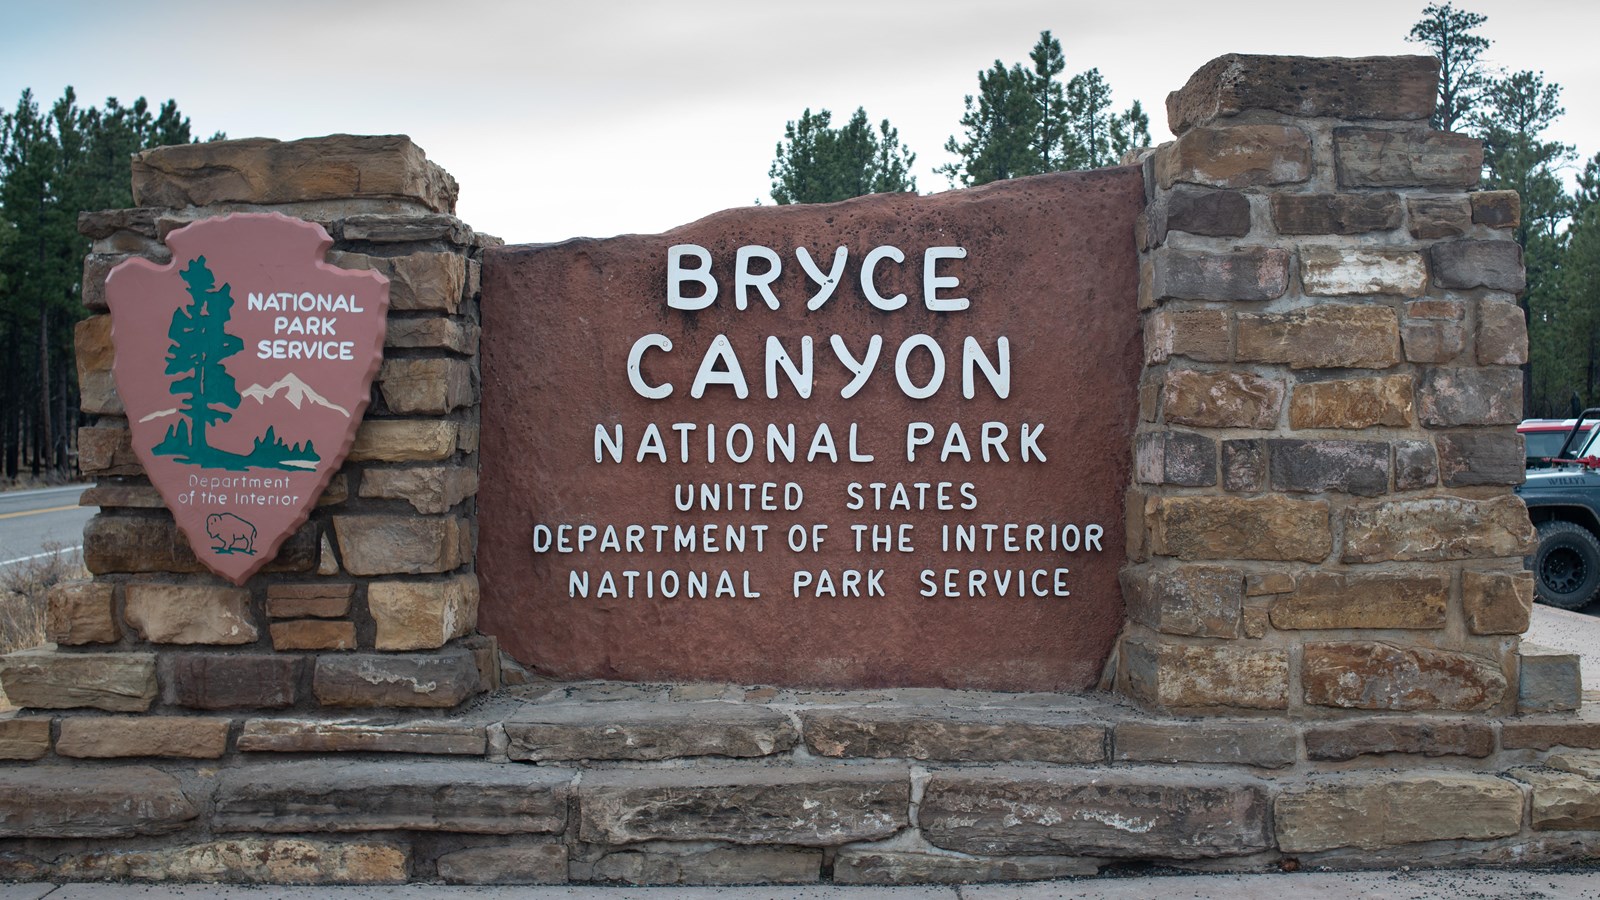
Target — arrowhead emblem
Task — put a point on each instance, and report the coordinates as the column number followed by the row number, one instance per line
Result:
column 245, row 365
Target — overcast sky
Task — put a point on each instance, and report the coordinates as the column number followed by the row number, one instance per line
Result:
column 599, row 118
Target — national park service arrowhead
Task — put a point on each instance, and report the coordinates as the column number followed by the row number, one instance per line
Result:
column 245, row 365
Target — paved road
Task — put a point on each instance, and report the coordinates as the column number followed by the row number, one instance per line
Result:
column 31, row 520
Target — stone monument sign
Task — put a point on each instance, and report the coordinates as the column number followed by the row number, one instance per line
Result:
column 874, row 443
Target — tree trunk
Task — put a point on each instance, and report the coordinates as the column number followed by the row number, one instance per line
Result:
column 46, row 446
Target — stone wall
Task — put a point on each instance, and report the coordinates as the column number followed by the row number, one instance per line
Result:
column 1322, row 519
column 373, row 602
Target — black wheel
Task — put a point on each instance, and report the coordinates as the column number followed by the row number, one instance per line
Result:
column 1566, row 567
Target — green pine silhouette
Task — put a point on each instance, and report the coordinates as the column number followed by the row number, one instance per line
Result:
column 200, row 342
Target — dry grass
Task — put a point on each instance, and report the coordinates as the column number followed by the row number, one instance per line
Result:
column 22, row 598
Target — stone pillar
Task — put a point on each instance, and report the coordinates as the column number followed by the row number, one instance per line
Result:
column 373, row 602
column 1322, row 519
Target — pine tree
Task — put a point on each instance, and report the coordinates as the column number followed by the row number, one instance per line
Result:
column 817, row 163
column 1449, row 33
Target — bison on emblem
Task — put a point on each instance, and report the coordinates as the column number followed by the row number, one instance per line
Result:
column 232, row 534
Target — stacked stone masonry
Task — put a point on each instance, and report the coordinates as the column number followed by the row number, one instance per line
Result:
column 373, row 602
column 1324, row 592
column 1322, row 519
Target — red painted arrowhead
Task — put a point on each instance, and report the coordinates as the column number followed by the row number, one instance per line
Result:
column 245, row 365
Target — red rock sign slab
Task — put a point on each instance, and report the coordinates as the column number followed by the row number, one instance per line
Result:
column 245, row 365
column 877, row 546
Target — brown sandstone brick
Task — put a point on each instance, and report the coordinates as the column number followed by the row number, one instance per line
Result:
column 190, row 614
column 1347, row 272
column 1382, row 675
column 1332, row 336
column 425, row 386
column 1502, row 334
column 1335, row 213
column 1310, row 466
column 1439, row 217
column 24, row 739
column 1416, row 465
column 1175, row 457
column 97, row 392
column 1207, row 212
column 1496, row 265
column 1327, row 600
column 1242, row 275
column 1372, row 157
column 394, row 545
column 422, row 615
column 1199, row 601
column 429, row 489
column 313, row 634
column 107, row 449
column 47, row 679
column 1353, row 403
column 1235, row 156
column 1244, row 464
column 1436, row 528
column 1381, row 810
column 1270, row 527
column 431, row 333
column 320, row 600
column 230, row 681
column 108, row 737
column 420, row 281
column 1178, row 676
column 1373, row 87
column 81, row 612
column 1449, row 397
column 404, row 440
column 1497, row 602
column 1497, row 209
column 406, row 680
column 1199, row 334
column 1423, row 737
column 1221, row 399
column 1468, row 458
column 1432, row 340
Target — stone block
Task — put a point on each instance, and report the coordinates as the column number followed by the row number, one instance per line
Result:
column 434, row 738
column 1262, row 584
column 1353, row 403
column 404, row 440
column 336, row 796
column 291, row 861
column 1548, row 732
column 1329, row 336
column 1468, row 458
column 47, row 679
column 1372, row 87
column 1375, row 811
column 1199, row 601
column 107, row 449
column 705, row 866
column 1497, row 602
column 1548, row 680
column 122, row 494
column 1381, row 600
column 956, row 735
column 868, row 864
column 1269, row 745
column 1462, row 265
column 1139, row 813
column 1382, row 675
column 1496, row 209
column 1209, row 213
column 1502, row 334
column 1179, row 676
column 1562, row 801
column 806, row 806
column 24, row 739
column 190, row 614
column 97, row 392
column 1437, row 528
column 108, row 737
column 266, row 171
column 430, row 490
column 153, row 544
column 319, row 600
column 1244, row 465
column 1374, row 157
column 1175, row 457
column 229, row 681
column 413, row 387
column 96, row 266
column 431, row 332
column 399, row 545
column 1200, row 334
column 1449, row 397
column 1432, row 340
column 61, row 802
column 646, row 731
column 430, row 282
column 1271, row 528
column 81, row 612
column 1236, row 156
column 1416, row 465
column 535, row 864
column 1240, row 275
column 1433, row 218
column 1360, row 272
column 1336, row 214
column 380, row 228
column 1353, row 467
column 1221, row 399
column 312, row 634
column 410, row 680
column 1422, row 737
column 101, row 224
column 422, row 615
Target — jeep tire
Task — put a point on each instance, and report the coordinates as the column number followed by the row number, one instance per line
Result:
column 1566, row 567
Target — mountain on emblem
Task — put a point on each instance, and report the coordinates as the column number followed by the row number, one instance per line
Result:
column 295, row 391
column 240, row 306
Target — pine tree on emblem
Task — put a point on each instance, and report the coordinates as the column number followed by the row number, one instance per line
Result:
column 200, row 343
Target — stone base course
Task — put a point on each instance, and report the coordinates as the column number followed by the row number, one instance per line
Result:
column 610, row 783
